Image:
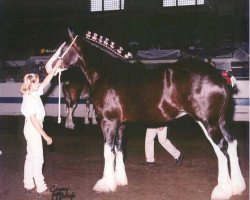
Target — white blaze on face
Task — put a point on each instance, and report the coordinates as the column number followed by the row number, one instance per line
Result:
column 49, row 65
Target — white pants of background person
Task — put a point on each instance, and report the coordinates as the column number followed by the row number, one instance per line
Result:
column 34, row 158
column 162, row 138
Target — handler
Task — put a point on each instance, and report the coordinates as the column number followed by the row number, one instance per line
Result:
column 167, row 145
column 33, row 110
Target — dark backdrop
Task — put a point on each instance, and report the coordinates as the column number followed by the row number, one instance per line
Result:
column 29, row 25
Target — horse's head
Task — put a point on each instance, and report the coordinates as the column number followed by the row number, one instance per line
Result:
column 52, row 61
column 68, row 53
column 92, row 54
column 74, row 51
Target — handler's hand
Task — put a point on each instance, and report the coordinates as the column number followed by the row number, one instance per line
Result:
column 59, row 63
column 57, row 67
column 48, row 140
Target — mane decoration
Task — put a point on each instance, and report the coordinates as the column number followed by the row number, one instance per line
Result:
column 107, row 46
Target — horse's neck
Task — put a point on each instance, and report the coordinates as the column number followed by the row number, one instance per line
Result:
column 90, row 74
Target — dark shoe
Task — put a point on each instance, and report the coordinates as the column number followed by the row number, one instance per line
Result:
column 178, row 160
column 29, row 191
column 147, row 164
column 44, row 193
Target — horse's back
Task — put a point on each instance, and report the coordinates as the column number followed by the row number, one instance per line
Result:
column 195, row 66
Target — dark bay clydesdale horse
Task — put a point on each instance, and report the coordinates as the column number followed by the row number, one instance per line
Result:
column 124, row 93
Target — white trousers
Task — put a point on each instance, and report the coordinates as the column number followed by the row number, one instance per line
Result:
column 34, row 159
column 162, row 137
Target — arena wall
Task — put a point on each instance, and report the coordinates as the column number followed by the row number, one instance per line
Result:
column 11, row 99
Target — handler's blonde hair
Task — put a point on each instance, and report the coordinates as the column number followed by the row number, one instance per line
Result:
column 28, row 79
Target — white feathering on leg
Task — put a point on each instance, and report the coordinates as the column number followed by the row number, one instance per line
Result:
column 223, row 189
column 69, row 120
column 238, row 182
column 120, row 172
column 107, row 183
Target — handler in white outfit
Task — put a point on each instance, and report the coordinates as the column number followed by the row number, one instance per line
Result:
column 33, row 110
column 162, row 138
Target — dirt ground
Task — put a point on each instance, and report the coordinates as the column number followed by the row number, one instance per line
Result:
column 75, row 162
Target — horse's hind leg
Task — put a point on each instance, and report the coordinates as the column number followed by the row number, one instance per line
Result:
column 238, row 182
column 94, row 122
column 223, row 189
column 120, row 173
column 86, row 116
column 108, row 182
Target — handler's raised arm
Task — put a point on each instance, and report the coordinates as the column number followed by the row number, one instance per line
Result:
column 48, row 78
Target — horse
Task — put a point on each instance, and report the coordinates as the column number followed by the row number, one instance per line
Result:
column 125, row 93
column 75, row 86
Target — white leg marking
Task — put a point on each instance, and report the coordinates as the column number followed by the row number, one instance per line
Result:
column 107, row 183
column 67, row 117
column 120, row 172
column 86, row 120
column 93, row 115
column 86, row 117
column 71, row 123
column 223, row 189
column 69, row 120
column 238, row 182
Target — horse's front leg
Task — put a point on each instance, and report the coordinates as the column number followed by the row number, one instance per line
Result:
column 120, row 173
column 69, row 119
column 108, row 182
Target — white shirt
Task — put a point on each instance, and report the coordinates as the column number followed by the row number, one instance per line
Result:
column 32, row 104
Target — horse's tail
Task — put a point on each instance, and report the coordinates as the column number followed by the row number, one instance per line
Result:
column 226, row 115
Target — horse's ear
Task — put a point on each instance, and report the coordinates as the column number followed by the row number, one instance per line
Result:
column 72, row 38
column 71, row 34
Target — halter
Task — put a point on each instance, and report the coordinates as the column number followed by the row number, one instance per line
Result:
column 61, row 57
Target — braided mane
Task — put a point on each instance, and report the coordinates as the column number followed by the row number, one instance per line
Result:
column 107, row 46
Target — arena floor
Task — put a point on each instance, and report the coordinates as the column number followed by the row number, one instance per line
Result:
column 75, row 162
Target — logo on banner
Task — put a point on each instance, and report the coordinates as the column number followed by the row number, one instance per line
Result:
column 45, row 51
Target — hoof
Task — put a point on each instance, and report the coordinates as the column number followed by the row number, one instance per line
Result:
column 221, row 192
column 121, row 179
column 238, row 187
column 70, row 126
column 105, row 185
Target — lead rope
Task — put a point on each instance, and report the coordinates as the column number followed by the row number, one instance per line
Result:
column 59, row 83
